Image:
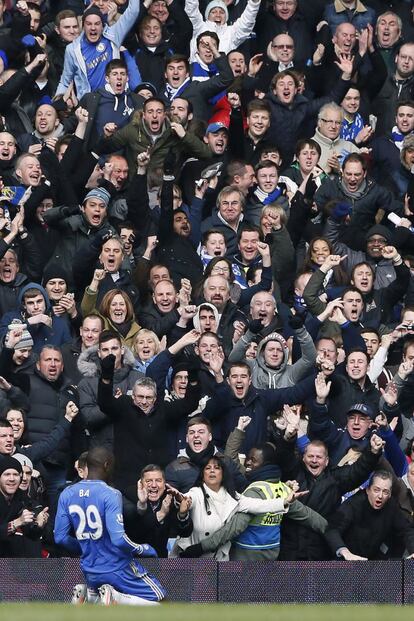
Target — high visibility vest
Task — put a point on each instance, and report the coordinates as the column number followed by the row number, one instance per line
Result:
column 263, row 531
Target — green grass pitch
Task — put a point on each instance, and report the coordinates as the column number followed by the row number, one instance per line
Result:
column 203, row 612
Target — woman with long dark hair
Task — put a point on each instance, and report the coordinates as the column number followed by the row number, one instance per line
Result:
column 214, row 500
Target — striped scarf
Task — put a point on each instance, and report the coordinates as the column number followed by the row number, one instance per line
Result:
column 398, row 137
column 172, row 93
column 201, row 72
column 266, row 198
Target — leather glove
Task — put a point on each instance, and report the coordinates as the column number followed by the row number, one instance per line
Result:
column 310, row 188
column 71, row 210
column 296, row 322
column 108, row 367
column 101, row 236
column 255, row 326
column 192, row 551
column 169, row 163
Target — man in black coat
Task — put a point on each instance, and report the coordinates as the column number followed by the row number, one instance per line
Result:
column 397, row 87
column 326, row 486
column 151, row 513
column 237, row 397
column 142, row 422
column 20, row 527
column 290, row 109
column 178, row 236
column 66, row 29
column 365, row 195
column 361, row 526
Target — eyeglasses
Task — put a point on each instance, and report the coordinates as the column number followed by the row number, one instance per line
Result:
column 220, row 270
column 144, row 398
column 332, row 122
column 283, row 46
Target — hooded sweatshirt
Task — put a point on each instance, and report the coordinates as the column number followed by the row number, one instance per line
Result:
column 113, row 108
column 285, row 375
column 57, row 334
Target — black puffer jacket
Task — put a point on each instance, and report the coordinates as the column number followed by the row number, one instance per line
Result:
column 48, row 402
column 160, row 323
column 139, row 438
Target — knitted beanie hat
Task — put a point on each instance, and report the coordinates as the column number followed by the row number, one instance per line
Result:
column 93, row 10
column 214, row 4
column 99, row 193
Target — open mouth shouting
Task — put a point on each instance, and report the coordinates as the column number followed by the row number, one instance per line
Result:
column 110, row 264
column 197, row 445
column 6, row 273
column 96, row 219
column 220, row 145
column 153, row 493
column 239, row 389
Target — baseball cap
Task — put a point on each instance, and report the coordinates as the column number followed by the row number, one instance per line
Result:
column 216, row 127
column 361, row 408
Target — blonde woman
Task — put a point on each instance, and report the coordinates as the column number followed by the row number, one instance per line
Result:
column 146, row 347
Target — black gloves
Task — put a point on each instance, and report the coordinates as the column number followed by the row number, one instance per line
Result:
column 310, row 189
column 296, row 321
column 192, row 551
column 101, row 237
column 255, row 326
column 169, row 163
column 70, row 210
column 107, row 367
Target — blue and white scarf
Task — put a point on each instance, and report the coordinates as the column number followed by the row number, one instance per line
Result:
column 398, row 137
column 266, row 198
column 201, row 72
column 171, row 92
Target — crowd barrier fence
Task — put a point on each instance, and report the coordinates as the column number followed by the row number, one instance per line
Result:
column 199, row 580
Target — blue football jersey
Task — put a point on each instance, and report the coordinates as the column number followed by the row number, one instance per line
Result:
column 92, row 510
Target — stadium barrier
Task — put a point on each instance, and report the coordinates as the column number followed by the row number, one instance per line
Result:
column 194, row 580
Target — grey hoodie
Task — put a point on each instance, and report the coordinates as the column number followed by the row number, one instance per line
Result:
column 285, row 375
